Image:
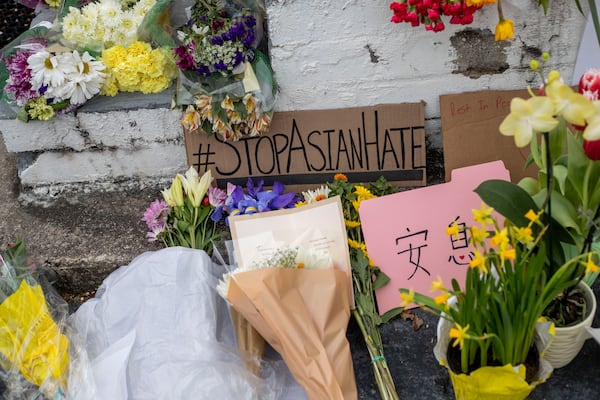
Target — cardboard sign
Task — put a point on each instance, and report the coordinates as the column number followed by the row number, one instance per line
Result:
column 405, row 232
column 305, row 149
column 470, row 132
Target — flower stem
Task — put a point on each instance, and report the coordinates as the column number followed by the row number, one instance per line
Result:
column 549, row 178
column 383, row 377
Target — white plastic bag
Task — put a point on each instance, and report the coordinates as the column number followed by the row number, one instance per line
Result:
column 158, row 329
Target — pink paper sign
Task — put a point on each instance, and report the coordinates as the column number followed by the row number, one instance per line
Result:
column 405, row 232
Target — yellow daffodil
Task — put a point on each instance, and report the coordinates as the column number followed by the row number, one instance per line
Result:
column 441, row 298
column 574, row 107
column 483, row 215
column 478, row 235
column 508, row 254
column 500, row 239
column 459, row 334
column 438, row 285
column 524, row 235
column 505, row 29
column 532, row 216
column 590, row 265
column 528, row 117
column 478, row 262
column 452, row 230
column 407, row 298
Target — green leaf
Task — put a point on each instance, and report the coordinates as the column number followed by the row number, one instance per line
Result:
column 508, row 199
column 391, row 314
column 560, row 173
column 381, row 279
column 544, row 4
column 530, row 185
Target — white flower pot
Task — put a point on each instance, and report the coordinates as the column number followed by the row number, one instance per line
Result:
column 568, row 341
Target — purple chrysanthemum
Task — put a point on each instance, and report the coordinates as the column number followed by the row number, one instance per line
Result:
column 19, row 77
column 156, row 214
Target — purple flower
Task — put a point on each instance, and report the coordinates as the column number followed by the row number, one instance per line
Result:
column 19, row 77
column 216, row 40
column 156, row 214
column 216, row 196
column 220, row 66
column 185, row 60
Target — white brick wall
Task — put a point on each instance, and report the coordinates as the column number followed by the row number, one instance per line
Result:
column 323, row 53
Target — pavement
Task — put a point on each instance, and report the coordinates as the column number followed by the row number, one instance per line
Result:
column 78, row 241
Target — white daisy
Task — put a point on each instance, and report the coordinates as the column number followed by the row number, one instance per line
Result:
column 312, row 196
column 47, row 69
column 87, row 79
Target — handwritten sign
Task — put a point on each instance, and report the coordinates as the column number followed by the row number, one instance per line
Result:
column 405, row 232
column 470, row 132
column 305, row 149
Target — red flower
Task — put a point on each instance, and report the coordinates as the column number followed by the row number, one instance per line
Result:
column 592, row 149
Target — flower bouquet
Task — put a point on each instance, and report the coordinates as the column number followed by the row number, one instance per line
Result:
column 88, row 50
column 226, row 83
column 292, row 284
column 568, row 124
column 184, row 216
column 366, row 276
column 35, row 352
column 493, row 318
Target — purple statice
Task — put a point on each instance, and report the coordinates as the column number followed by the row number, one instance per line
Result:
column 18, row 83
column 155, row 217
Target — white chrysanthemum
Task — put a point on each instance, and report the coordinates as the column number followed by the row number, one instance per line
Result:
column 129, row 22
column 47, row 69
column 86, row 80
column 312, row 196
column 91, row 11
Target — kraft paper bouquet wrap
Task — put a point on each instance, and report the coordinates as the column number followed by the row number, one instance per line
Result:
column 292, row 285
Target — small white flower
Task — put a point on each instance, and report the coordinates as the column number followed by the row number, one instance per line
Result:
column 312, row 196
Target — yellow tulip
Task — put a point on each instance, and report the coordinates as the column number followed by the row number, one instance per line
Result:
column 528, row 117
column 592, row 130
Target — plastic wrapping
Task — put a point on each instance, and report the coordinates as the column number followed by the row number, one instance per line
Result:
column 157, row 329
column 501, row 382
column 225, row 81
column 40, row 356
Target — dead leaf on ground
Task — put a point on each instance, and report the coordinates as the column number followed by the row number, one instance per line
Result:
column 417, row 321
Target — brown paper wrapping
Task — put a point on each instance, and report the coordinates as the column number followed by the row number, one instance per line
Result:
column 249, row 341
column 303, row 314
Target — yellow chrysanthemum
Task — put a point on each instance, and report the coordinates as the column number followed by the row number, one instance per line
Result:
column 505, row 29
column 354, row 244
column 351, row 224
column 363, row 193
column 459, row 334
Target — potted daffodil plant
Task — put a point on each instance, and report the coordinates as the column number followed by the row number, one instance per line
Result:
column 491, row 333
column 562, row 129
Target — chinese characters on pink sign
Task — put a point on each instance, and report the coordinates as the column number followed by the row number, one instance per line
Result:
column 406, row 235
